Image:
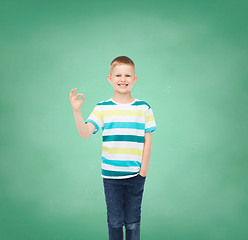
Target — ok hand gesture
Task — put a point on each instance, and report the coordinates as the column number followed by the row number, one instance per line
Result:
column 75, row 102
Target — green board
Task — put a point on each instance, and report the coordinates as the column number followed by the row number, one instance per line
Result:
column 191, row 67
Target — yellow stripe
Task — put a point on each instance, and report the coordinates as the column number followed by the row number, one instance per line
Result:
column 133, row 151
column 138, row 113
column 98, row 115
column 149, row 118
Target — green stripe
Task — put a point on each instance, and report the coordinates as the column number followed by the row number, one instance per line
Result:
column 127, row 138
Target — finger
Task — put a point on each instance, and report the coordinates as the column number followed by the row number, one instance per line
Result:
column 70, row 96
column 74, row 90
column 79, row 94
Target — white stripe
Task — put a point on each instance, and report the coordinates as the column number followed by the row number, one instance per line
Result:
column 115, row 168
column 149, row 112
column 120, row 118
column 123, row 144
column 98, row 108
column 150, row 124
column 96, row 119
column 127, row 107
column 121, row 177
column 123, row 131
column 127, row 157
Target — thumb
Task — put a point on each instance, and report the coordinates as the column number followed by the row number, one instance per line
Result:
column 79, row 94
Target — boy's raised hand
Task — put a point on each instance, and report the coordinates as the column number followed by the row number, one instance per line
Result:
column 75, row 102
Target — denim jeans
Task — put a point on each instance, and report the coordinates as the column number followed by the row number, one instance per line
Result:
column 123, row 200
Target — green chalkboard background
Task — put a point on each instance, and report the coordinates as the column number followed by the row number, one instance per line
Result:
column 191, row 64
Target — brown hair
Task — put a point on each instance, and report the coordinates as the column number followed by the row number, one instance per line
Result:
column 121, row 60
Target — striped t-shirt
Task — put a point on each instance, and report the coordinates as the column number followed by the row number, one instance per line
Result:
column 123, row 134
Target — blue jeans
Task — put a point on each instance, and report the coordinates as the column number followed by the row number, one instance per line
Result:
column 123, row 200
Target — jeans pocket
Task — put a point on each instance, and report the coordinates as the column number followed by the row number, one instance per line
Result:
column 142, row 176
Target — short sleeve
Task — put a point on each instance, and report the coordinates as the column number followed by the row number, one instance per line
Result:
column 150, row 124
column 96, row 118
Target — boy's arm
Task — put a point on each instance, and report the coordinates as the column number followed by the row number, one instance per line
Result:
column 146, row 154
column 85, row 129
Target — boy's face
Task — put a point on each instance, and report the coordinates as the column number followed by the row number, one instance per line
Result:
column 122, row 78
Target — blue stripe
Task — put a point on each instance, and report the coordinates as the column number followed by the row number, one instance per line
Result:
column 151, row 129
column 108, row 173
column 120, row 163
column 133, row 125
column 127, row 138
column 93, row 122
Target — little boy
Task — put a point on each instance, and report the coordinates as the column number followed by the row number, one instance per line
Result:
column 127, row 124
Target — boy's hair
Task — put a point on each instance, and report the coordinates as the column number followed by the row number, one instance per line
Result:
column 121, row 60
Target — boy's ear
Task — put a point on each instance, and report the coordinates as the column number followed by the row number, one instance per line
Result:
column 109, row 78
column 135, row 79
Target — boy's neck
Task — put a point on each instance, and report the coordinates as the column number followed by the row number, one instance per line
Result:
column 123, row 98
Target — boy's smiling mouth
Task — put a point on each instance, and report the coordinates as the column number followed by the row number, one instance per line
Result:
column 123, row 85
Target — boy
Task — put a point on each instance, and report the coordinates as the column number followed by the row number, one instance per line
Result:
column 127, row 124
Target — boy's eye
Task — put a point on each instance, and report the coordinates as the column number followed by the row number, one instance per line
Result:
column 120, row 75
